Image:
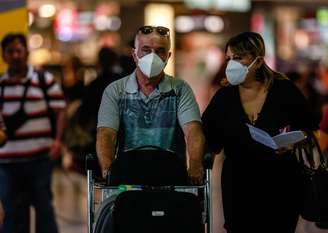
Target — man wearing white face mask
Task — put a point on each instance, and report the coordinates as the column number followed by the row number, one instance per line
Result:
column 150, row 108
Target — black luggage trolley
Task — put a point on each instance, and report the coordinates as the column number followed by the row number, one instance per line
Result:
column 124, row 208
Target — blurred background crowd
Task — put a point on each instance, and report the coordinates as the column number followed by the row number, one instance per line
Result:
column 86, row 44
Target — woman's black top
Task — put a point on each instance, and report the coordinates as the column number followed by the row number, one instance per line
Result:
column 260, row 188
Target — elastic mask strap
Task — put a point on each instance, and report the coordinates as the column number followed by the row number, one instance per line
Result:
column 252, row 63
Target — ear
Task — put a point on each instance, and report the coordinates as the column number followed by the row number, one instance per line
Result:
column 260, row 61
column 134, row 55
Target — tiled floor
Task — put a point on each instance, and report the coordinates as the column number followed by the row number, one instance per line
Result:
column 70, row 201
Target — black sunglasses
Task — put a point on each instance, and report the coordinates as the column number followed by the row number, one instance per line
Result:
column 163, row 31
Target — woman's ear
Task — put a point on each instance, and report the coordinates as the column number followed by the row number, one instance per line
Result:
column 259, row 62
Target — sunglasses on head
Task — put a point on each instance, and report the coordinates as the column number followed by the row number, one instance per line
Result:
column 163, row 31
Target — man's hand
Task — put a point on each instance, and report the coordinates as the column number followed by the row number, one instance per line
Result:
column 196, row 173
column 55, row 150
column 195, row 146
column 105, row 173
column 2, row 214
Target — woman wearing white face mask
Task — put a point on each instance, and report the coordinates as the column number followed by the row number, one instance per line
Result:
column 260, row 186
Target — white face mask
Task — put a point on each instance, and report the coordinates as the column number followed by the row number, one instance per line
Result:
column 151, row 65
column 236, row 72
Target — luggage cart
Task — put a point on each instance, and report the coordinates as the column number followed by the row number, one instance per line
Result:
column 98, row 193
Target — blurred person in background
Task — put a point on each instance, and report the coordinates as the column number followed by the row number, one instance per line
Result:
column 3, row 138
column 323, row 137
column 2, row 214
column 73, row 80
column 33, row 108
column 107, row 63
column 80, row 138
column 304, row 81
column 74, row 88
column 260, row 186
column 127, row 64
column 150, row 108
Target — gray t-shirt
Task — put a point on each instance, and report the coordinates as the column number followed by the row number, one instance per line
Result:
column 155, row 120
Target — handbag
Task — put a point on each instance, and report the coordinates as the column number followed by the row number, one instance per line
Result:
column 314, row 182
column 16, row 120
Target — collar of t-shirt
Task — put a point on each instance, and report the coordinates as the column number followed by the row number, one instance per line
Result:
column 30, row 74
column 163, row 87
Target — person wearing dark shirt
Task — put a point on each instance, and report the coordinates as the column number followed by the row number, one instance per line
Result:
column 304, row 81
column 127, row 64
column 86, row 117
column 3, row 138
column 260, row 186
column 107, row 60
column 323, row 138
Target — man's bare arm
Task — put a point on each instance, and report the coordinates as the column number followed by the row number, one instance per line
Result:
column 195, row 147
column 3, row 137
column 61, row 121
column 106, row 141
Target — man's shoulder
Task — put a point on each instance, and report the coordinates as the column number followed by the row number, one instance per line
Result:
column 35, row 75
column 42, row 76
column 176, row 83
column 118, row 85
column 176, row 80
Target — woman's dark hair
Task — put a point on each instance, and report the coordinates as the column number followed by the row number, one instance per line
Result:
column 252, row 43
column 11, row 37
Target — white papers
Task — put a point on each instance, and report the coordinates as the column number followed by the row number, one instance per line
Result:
column 279, row 141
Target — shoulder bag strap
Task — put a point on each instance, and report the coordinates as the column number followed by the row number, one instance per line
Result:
column 43, row 85
column 22, row 99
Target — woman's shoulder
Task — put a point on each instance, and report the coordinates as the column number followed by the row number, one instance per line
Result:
column 282, row 79
column 284, row 84
column 287, row 90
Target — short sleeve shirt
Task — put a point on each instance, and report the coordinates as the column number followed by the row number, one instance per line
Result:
column 142, row 120
column 33, row 138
